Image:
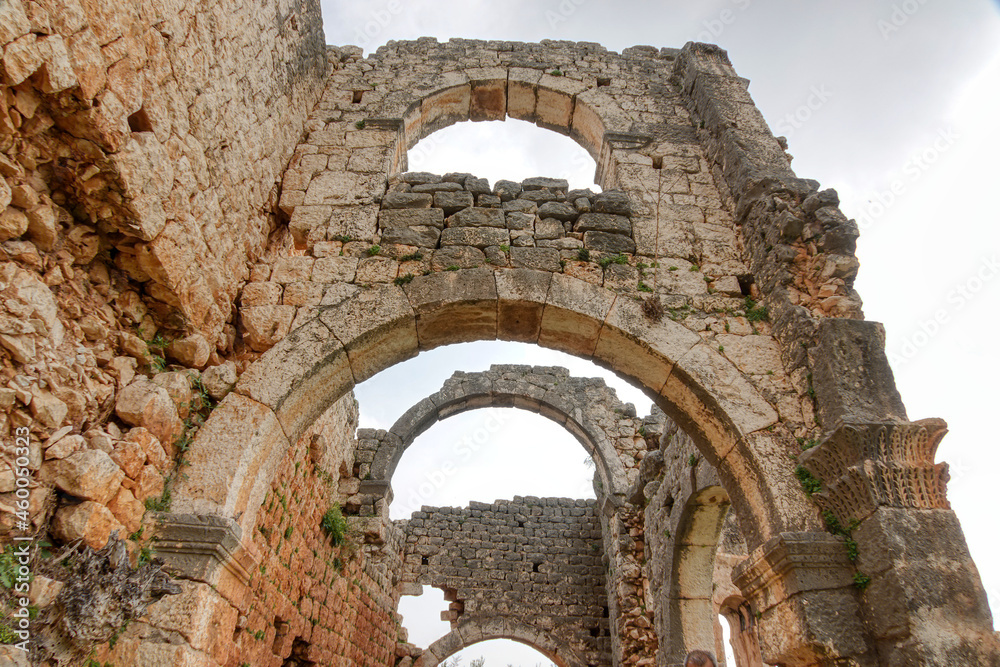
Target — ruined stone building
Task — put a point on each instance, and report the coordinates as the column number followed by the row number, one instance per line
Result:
column 209, row 235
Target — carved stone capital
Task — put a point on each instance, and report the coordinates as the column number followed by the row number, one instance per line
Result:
column 888, row 464
column 202, row 548
column 793, row 563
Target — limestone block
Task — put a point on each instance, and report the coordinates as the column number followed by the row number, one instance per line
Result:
column 477, row 237
column 90, row 521
column 292, row 269
column 376, row 270
column 21, row 58
column 411, row 217
column 335, row 269
column 605, row 242
column 637, row 347
column 452, row 202
column 219, row 380
column 47, row 409
column 90, row 474
column 398, row 200
column 478, row 217
column 548, row 229
column 266, row 325
column 420, row 236
column 603, row 222
column 574, row 314
column 755, row 355
column 13, row 223
column 142, row 403
column 376, row 327
column 261, row 294
column 130, row 457
column 65, row 446
column 43, row 230
column 614, row 202
column 558, row 210
column 127, row 510
column 154, row 452
column 462, row 257
column 454, row 306
column 542, row 259
column 178, row 387
column 200, row 615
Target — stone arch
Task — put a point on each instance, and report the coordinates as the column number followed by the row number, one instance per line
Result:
column 570, row 107
column 278, row 397
column 583, row 406
column 475, row 630
column 692, row 609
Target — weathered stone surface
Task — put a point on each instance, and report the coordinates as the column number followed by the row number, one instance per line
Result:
column 89, row 474
column 478, row 217
column 462, row 257
column 219, row 380
column 394, row 200
column 266, row 325
column 411, row 217
column 542, row 183
column 477, row 237
column 605, row 242
column 192, row 351
column 421, row 236
column 558, row 210
column 144, row 404
column 603, row 222
column 614, row 202
column 451, row 202
column 543, row 259
column 90, row 521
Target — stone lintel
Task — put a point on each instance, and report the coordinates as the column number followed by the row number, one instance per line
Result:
column 393, row 124
column 792, row 563
column 202, row 547
column 627, row 140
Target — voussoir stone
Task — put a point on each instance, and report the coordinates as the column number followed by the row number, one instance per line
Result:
column 478, row 217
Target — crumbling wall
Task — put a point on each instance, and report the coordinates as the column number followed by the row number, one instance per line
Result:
column 534, row 559
column 153, row 135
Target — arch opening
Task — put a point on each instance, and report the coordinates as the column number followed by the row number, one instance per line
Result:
column 510, row 149
column 487, row 454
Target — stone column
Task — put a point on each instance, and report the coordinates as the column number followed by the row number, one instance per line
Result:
column 801, row 588
column 922, row 597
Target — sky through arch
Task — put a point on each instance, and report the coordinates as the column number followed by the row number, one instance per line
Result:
column 510, row 149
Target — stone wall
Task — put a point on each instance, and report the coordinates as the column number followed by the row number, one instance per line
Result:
column 138, row 133
column 534, row 559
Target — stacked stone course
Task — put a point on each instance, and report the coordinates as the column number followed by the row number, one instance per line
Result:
column 534, row 559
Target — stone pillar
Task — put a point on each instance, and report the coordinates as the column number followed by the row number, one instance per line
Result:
column 923, row 600
column 801, row 587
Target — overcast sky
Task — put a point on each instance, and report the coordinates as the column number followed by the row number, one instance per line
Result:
column 894, row 104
